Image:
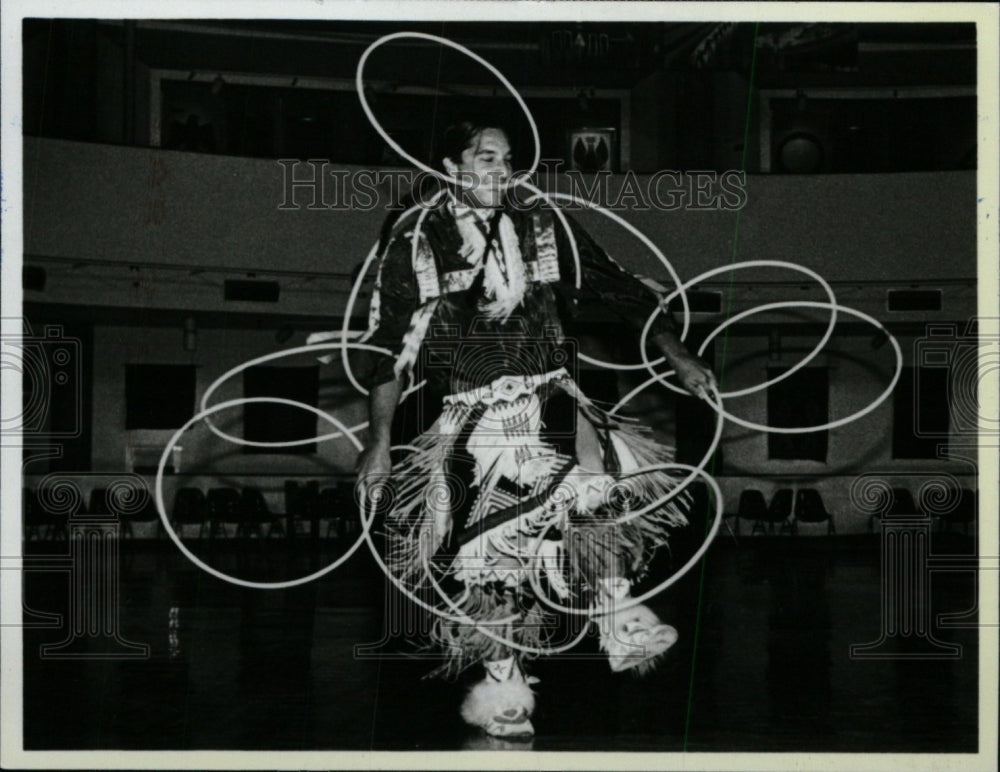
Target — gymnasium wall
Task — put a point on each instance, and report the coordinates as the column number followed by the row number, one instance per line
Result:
column 140, row 206
column 219, row 217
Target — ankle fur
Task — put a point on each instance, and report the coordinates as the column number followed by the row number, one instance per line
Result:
column 489, row 699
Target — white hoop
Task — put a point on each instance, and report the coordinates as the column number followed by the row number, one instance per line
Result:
column 359, row 85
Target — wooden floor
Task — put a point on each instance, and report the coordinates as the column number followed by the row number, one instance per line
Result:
column 762, row 663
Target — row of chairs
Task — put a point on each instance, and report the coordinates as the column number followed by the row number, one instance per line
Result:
column 809, row 508
column 248, row 511
column 212, row 512
column 46, row 522
column 786, row 510
column 245, row 508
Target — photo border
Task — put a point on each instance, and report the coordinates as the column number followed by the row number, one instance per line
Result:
column 12, row 754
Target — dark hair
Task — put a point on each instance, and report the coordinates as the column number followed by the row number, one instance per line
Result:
column 454, row 140
column 459, row 137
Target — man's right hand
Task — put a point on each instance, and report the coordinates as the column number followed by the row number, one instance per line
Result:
column 373, row 469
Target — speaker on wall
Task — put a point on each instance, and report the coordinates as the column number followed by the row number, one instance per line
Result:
column 253, row 291
column 913, row 300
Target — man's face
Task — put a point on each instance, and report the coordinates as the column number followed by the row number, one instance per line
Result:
column 486, row 163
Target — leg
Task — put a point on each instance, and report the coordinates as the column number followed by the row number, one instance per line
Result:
column 502, row 703
column 633, row 637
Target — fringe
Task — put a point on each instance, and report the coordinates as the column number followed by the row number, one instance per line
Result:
column 421, row 498
column 582, row 509
column 634, row 447
column 596, row 547
column 464, row 645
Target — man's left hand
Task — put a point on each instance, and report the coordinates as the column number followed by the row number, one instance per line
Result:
column 694, row 375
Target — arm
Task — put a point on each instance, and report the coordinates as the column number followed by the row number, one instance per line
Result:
column 395, row 297
column 606, row 282
column 374, row 461
column 692, row 372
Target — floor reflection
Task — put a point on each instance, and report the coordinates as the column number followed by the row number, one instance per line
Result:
column 762, row 664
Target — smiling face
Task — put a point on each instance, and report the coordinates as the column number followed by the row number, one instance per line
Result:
column 486, row 164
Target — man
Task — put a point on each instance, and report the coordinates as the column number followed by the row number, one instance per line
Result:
column 517, row 500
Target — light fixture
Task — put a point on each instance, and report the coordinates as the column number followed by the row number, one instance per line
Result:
column 802, row 147
column 801, row 153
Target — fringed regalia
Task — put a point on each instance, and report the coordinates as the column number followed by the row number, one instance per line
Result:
column 491, row 506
